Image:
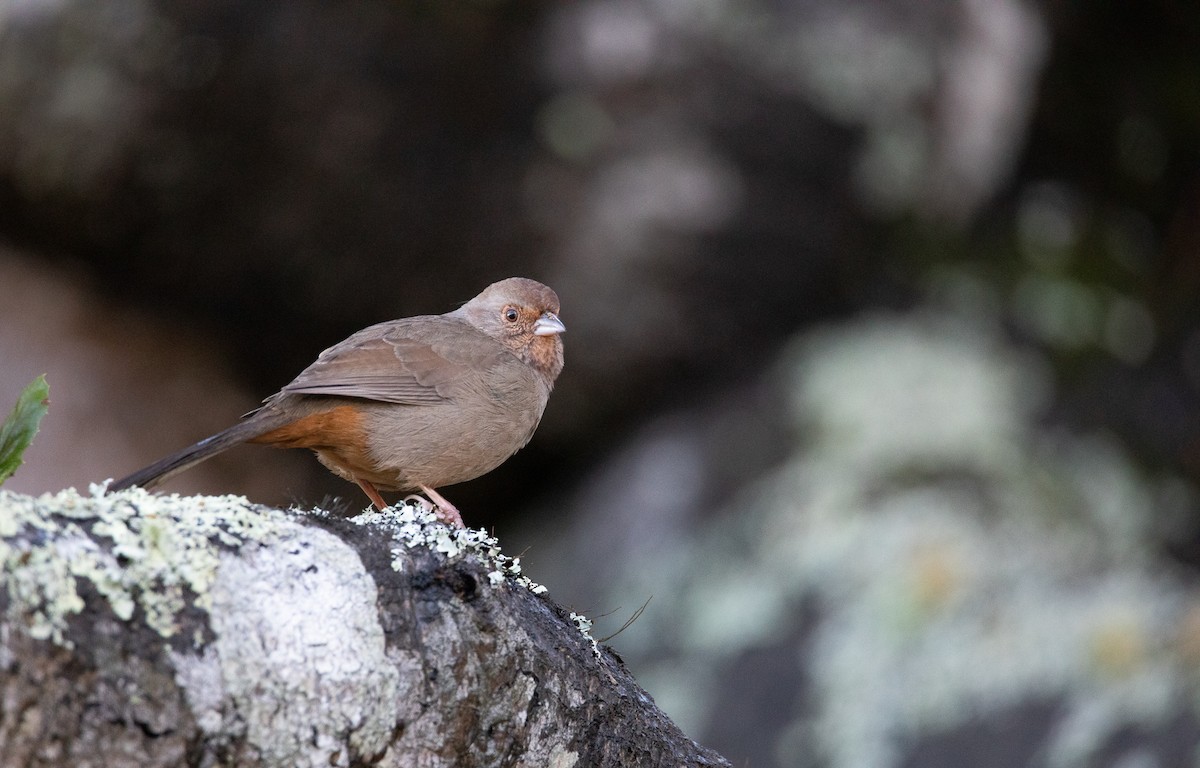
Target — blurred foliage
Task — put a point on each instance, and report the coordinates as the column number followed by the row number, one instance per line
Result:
column 19, row 429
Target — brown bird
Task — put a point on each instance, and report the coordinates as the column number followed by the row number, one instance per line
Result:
column 412, row 404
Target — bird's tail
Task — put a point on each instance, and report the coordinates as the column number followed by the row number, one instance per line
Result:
column 148, row 477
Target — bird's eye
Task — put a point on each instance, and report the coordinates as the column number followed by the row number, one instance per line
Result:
column 511, row 314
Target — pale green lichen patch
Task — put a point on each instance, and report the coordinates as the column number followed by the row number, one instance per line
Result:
column 135, row 548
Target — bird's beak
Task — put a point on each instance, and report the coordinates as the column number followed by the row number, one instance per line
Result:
column 548, row 325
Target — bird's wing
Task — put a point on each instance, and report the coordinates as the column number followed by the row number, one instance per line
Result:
column 415, row 361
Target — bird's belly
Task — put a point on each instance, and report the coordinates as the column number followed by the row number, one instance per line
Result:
column 443, row 445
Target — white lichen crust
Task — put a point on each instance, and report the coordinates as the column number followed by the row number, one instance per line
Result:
column 298, row 651
column 413, row 525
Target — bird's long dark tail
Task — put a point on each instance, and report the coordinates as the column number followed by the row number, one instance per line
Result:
column 148, row 477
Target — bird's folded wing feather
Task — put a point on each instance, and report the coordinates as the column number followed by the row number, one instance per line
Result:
column 411, row 363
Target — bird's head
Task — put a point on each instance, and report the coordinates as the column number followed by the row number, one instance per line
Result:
column 523, row 315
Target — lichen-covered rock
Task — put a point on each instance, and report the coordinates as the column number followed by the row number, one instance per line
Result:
column 142, row 630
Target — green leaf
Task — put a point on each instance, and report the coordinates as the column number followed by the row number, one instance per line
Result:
column 17, row 431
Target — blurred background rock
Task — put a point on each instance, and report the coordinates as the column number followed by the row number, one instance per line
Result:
column 883, row 361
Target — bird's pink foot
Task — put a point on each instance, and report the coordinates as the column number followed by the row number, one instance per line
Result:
column 446, row 512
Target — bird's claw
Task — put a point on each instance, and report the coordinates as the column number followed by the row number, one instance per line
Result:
column 420, row 501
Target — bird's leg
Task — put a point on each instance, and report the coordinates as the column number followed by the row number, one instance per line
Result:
column 372, row 494
column 446, row 512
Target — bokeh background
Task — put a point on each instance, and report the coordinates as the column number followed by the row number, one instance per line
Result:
column 883, row 360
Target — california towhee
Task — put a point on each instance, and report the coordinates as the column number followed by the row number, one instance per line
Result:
column 412, row 404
